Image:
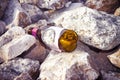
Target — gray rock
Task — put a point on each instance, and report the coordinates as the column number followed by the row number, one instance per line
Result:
column 3, row 5
column 94, row 28
column 15, row 68
column 52, row 4
column 68, row 66
column 15, row 15
column 2, row 27
column 36, row 52
column 16, row 47
column 110, row 75
column 108, row 6
column 33, row 11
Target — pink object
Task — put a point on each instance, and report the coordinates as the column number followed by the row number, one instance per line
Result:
column 34, row 31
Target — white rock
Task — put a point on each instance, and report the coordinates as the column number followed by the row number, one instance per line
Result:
column 94, row 28
column 115, row 58
column 29, row 1
column 16, row 47
column 68, row 66
column 11, row 34
column 15, row 15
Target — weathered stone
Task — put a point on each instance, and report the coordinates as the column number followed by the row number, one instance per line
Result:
column 39, row 24
column 108, row 6
column 115, row 58
column 94, row 28
column 23, row 76
column 2, row 27
column 33, row 11
column 110, row 75
column 3, row 5
column 29, row 1
column 14, row 68
column 36, row 52
column 15, row 15
column 16, row 47
column 52, row 4
column 11, row 34
column 117, row 12
column 68, row 66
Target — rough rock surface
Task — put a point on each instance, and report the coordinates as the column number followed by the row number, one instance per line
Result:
column 36, row 52
column 2, row 27
column 108, row 6
column 15, row 15
column 11, row 34
column 52, row 4
column 94, row 28
column 23, row 76
column 110, row 76
column 117, row 12
column 16, row 67
column 115, row 58
column 68, row 66
column 33, row 11
column 16, row 47
column 29, row 1
column 3, row 5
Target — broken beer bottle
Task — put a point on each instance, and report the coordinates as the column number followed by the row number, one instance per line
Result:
column 56, row 38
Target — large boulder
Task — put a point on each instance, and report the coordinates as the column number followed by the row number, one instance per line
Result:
column 69, row 65
column 3, row 5
column 15, row 15
column 108, row 6
column 94, row 28
column 14, row 69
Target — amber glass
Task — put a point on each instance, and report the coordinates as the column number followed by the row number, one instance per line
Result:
column 68, row 40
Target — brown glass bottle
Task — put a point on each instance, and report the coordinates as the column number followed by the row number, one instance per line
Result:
column 56, row 38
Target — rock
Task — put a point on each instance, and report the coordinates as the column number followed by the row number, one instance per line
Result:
column 29, row 1
column 3, row 5
column 15, row 15
column 117, row 12
column 16, row 68
column 11, row 34
column 68, row 66
column 103, row 31
column 23, row 76
column 110, row 75
column 52, row 4
column 108, row 6
column 2, row 27
column 33, row 11
column 36, row 52
column 16, row 47
column 115, row 58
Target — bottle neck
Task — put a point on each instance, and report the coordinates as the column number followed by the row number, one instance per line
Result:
column 34, row 32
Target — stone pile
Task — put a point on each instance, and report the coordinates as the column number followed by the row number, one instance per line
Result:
column 24, row 57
